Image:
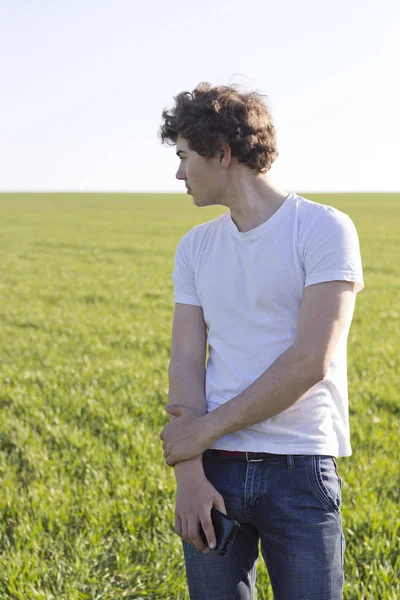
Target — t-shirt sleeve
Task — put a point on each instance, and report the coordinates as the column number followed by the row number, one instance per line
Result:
column 183, row 274
column 331, row 250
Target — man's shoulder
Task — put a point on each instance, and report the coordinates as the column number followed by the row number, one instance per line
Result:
column 193, row 239
column 211, row 224
column 311, row 211
column 199, row 232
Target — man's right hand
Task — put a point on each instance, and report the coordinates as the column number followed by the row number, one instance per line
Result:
column 195, row 496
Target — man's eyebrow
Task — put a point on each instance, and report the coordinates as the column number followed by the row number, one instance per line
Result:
column 179, row 152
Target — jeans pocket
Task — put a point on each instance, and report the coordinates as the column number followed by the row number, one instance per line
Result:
column 326, row 482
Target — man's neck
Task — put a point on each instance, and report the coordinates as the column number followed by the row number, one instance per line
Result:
column 252, row 201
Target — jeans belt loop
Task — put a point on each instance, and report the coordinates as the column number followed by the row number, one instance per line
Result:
column 253, row 459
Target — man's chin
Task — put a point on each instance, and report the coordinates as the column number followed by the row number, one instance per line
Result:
column 198, row 201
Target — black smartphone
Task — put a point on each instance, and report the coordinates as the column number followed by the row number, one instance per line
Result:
column 225, row 531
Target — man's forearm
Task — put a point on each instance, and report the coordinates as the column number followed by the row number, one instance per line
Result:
column 187, row 388
column 278, row 388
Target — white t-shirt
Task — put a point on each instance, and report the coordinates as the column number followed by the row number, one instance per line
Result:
column 250, row 287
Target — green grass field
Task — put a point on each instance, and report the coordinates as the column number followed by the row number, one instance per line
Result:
column 87, row 503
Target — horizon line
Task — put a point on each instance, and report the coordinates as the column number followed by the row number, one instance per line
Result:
column 180, row 193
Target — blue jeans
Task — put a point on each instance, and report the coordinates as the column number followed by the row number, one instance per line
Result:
column 291, row 504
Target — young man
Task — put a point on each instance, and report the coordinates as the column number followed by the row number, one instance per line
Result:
column 271, row 286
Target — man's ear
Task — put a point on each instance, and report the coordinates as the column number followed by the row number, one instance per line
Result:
column 225, row 154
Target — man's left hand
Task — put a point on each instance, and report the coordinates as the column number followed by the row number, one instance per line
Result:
column 185, row 437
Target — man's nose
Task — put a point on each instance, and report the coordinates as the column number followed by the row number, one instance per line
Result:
column 180, row 174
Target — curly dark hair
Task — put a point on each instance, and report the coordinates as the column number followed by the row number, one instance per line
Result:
column 209, row 116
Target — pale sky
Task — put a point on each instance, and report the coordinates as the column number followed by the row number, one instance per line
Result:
column 83, row 84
